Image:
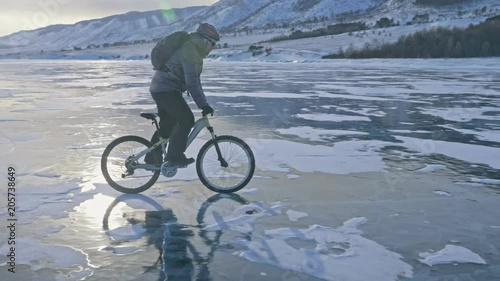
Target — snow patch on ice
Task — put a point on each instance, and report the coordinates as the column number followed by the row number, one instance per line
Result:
column 486, row 181
column 129, row 232
column 451, row 254
column 339, row 254
column 295, row 215
column 121, row 250
column 166, row 192
column 431, row 168
column 471, row 184
column 442, row 193
column 248, row 191
column 292, row 176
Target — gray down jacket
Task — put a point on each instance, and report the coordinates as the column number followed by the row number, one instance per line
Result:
column 185, row 67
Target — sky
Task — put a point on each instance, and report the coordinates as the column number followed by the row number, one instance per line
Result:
column 32, row 14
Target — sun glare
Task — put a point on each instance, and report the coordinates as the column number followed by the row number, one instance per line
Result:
column 167, row 11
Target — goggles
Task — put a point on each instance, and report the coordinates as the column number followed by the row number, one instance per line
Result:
column 211, row 41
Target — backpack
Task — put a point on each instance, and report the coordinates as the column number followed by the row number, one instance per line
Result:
column 166, row 47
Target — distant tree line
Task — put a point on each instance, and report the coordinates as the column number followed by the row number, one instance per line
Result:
column 275, row 25
column 441, row 2
column 329, row 30
column 127, row 43
column 480, row 40
column 304, row 5
column 385, row 22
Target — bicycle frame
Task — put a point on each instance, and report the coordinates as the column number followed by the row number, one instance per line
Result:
column 199, row 125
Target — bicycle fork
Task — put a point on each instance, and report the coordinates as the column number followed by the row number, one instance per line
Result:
column 221, row 159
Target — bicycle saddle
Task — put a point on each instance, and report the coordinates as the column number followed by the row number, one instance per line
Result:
column 150, row 116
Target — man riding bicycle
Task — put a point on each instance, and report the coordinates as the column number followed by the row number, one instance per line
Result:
column 183, row 70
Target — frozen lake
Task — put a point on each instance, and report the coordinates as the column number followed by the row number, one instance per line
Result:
column 366, row 170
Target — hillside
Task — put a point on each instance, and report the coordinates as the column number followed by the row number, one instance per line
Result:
column 247, row 22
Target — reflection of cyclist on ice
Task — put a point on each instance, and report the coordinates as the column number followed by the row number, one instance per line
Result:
column 179, row 258
column 172, row 240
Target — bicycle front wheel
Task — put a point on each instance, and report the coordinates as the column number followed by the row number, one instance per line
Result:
column 122, row 172
column 217, row 177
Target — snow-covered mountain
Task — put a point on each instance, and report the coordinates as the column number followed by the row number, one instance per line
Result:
column 236, row 15
column 117, row 28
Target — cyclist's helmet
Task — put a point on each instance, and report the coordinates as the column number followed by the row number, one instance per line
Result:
column 208, row 31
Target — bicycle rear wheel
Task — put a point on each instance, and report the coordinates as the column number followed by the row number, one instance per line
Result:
column 238, row 173
column 124, row 174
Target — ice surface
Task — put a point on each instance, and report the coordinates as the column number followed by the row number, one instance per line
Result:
column 466, row 152
column 350, row 156
column 485, row 135
column 67, row 260
column 461, row 114
column 47, row 175
column 25, row 137
column 50, row 230
column 316, row 134
column 6, row 144
column 240, row 220
column 47, row 199
column 451, row 254
column 355, row 133
column 332, row 117
column 261, row 94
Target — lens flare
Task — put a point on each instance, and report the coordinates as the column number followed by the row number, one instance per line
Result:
column 167, row 11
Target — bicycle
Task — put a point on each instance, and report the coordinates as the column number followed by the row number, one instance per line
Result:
column 224, row 164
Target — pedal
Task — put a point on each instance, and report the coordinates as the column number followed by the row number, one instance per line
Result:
column 171, row 172
column 128, row 173
column 168, row 171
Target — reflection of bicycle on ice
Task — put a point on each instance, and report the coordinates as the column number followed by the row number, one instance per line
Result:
column 179, row 258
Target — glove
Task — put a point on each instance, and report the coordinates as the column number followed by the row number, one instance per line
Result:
column 207, row 109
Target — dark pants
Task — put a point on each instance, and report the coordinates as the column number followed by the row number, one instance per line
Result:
column 176, row 121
